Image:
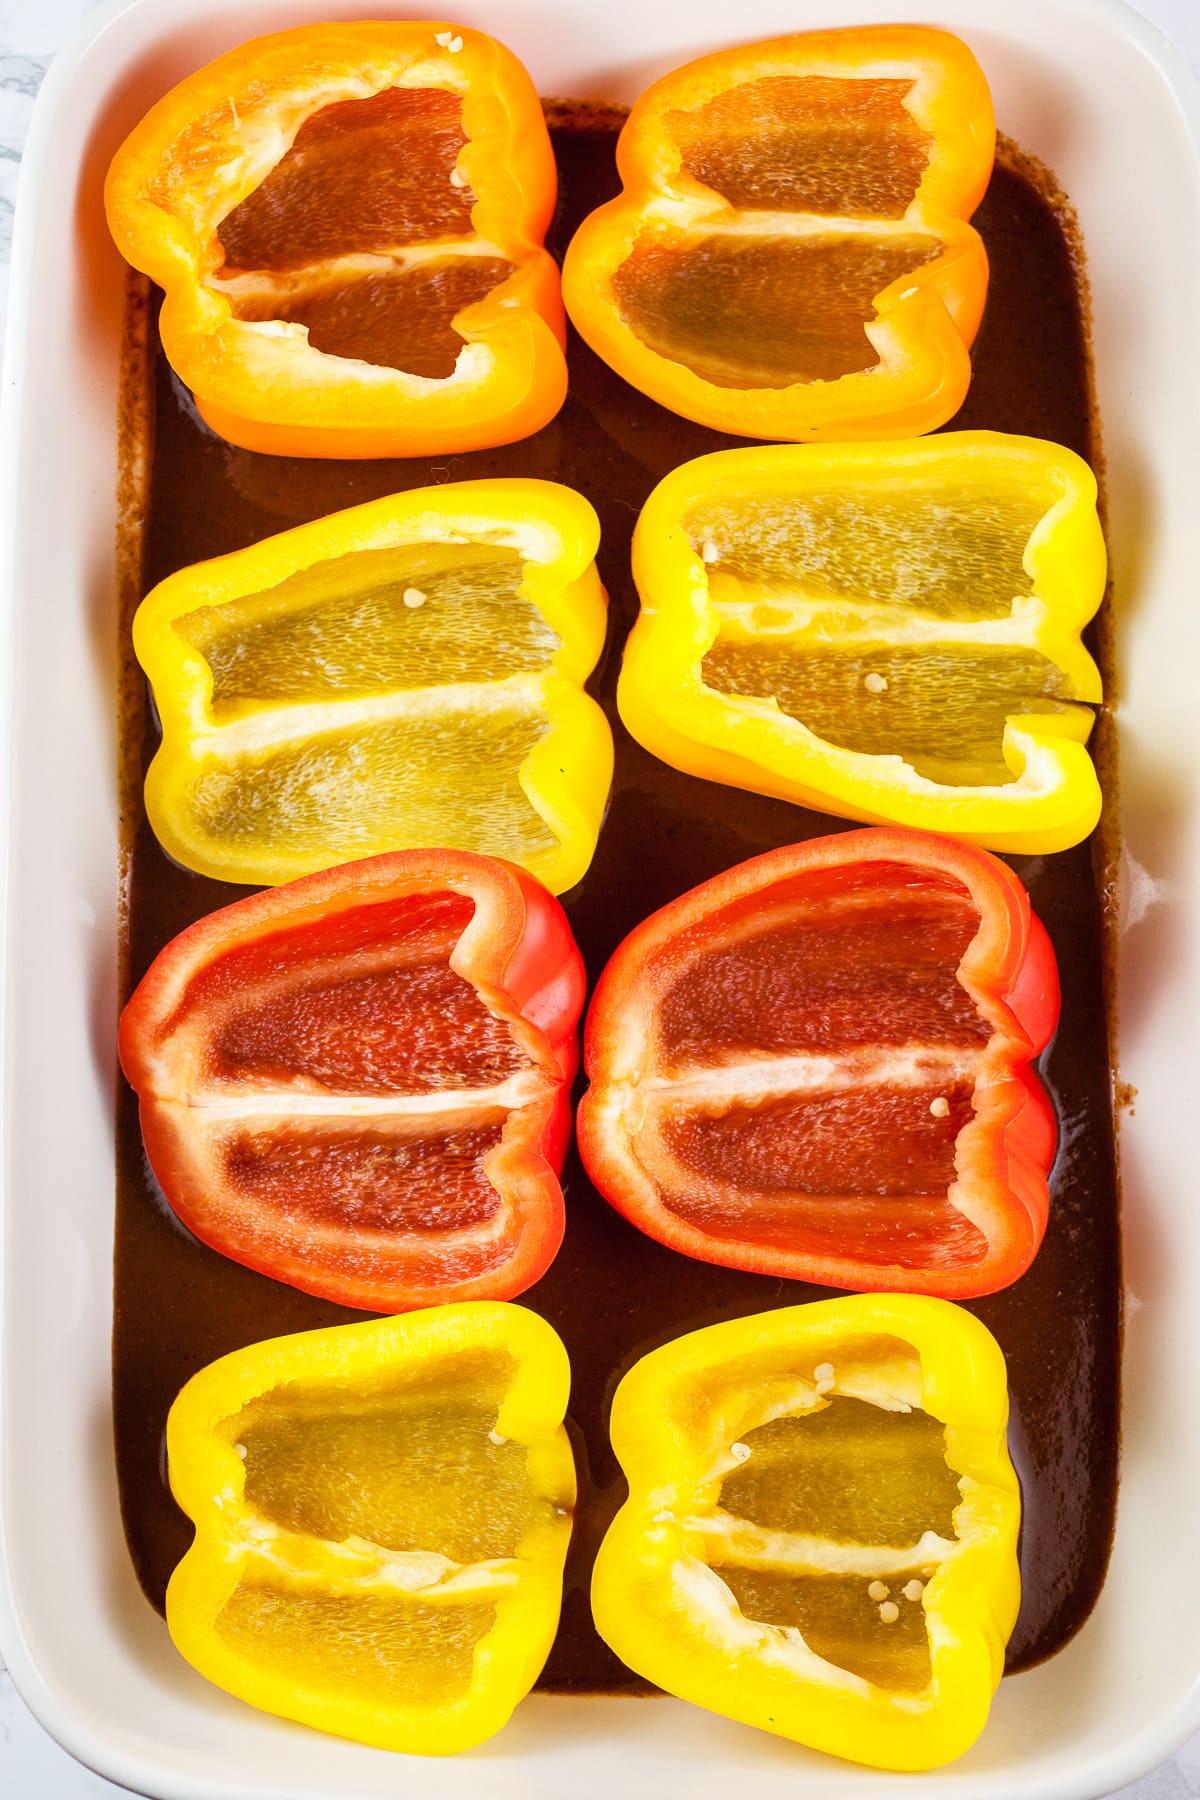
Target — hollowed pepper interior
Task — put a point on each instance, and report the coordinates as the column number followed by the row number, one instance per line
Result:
column 872, row 620
column 413, row 1467
column 303, row 1027
column 362, row 234
column 814, row 1063
column 859, row 1502
column 818, row 172
column 410, row 719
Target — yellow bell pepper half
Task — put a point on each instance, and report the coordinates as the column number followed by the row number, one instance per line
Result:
column 403, row 675
column 821, row 1532
column 889, row 632
column 382, row 1514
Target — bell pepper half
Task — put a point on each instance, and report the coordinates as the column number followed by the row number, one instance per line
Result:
column 820, row 1537
column 886, row 631
column 790, row 255
column 347, row 222
column 408, row 673
column 817, row 1065
column 359, row 1083
column 382, row 1513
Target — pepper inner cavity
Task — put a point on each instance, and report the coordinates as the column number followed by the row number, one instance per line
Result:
column 425, row 625
column 744, row 311
column 362, row 1005
column 369, row 1011
column 872, row 621
column 337, row 237
column 361, row 176
column 417, row 1468
column 399, row 1649
column 815, row 1065
column 391, row 1176
column 374, row 621
column 447, row 775
column 855, row 1477
column 807, row 144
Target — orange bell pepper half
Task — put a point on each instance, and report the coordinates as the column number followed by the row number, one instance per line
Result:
column 358, row 1083
column 817, row 1065
column 790, row 255
column 347, row 221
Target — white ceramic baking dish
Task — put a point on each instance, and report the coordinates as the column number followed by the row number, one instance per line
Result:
column 1087, row 87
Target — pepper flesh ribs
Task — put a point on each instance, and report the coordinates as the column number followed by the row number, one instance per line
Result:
column 817, row 1065
column 347, row 220
column 382, row 1511
column 358, row 1083
column 790, row 255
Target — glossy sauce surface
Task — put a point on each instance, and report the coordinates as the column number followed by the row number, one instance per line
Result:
column 613, row 1294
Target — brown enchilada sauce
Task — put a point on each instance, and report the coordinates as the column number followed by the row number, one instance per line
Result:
column 613, row 1294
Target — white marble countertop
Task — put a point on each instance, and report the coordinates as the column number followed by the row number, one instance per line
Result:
column 32, row 1767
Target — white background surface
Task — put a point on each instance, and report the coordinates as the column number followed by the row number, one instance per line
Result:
column 32, row 1767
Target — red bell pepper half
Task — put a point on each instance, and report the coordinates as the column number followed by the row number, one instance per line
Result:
column 818, row 1065
column 358, row 1083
